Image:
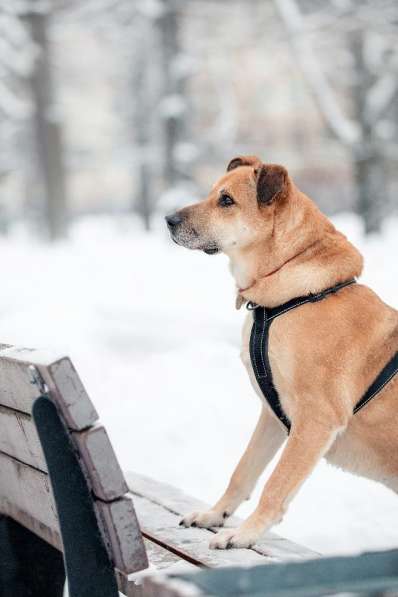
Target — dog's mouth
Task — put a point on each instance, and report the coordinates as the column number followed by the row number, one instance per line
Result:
column 191, row 240
column 213, row 250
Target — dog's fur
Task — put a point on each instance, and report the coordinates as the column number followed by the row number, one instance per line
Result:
column 323, row 355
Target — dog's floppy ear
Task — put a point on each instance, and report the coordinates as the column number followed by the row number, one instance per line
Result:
column 272, row 181
column 243, row 160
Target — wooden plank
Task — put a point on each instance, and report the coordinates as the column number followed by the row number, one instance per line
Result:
column 26, row 495
column 100, row 462
column 176, row 501
column 18, row 438
column 192, row 544
column 52, row 536
column 122, row 534
column 28, row 490
column 57, row 372
column 160, row 559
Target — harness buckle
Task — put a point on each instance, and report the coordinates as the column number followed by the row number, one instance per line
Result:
column 250, row 306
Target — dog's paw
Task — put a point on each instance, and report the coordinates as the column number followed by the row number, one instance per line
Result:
column 239, row 537
column 208, row 519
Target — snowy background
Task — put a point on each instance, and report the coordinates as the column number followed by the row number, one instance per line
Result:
column 112, row 113
column 154, row 334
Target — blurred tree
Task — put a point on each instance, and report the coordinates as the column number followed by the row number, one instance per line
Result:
column 370, row 74
column 175, row 69
column 156, row 71
column 46, row 127
column 26, row 96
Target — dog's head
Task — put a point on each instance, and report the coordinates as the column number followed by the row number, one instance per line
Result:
column 238, row 211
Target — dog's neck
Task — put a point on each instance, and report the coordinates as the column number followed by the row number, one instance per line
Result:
column 288, row 264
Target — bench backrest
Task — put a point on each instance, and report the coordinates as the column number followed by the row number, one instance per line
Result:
column 25, row 489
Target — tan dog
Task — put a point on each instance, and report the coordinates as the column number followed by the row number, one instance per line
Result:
column 323, row 355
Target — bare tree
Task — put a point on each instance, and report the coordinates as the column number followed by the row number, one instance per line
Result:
column 46, row 127
column 373, row 88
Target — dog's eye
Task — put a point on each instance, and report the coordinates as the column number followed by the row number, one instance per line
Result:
column 225, row 201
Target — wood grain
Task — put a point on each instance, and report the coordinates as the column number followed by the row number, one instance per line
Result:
column 28, row 490
column 192, row 544
column 274, row 547
column 159, row 559
column 100, row 462
column 123, row 534
column 18, row 438
column 58, row 373
column 52, row 536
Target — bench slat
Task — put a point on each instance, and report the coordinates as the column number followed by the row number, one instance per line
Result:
column 29, row 490
column 175, row 500
column 18, row 438
column 192, row 543
column 48, row 534
column 102, row 467
column 17, row 390
column 123, row 534
column 26, row 494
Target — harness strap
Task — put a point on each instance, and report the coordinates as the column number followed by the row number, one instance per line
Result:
column 259, row 340
column 384, row 377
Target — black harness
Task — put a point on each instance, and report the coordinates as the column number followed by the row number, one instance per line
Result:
column 262, row 320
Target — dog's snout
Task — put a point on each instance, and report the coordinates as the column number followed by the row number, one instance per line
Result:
column 173, row 220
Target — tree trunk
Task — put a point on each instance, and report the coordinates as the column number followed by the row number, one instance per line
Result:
column 142, row 202
column 370, row 180
column 174, row 104
column 369, row 164
column 47, row 133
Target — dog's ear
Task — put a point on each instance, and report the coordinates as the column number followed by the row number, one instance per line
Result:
column 272, row 182
column 244, row 160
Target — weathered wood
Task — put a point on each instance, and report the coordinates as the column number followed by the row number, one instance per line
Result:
column 272, row 545
column 18, row 391
column 192, row 544
column 18, row 438
column 26, row 496
column 123, row 534
column 159, row 559
column 100, row 462
column 28, row 490
column 50, row 535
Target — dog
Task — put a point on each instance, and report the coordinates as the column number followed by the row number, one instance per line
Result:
column 323, row 355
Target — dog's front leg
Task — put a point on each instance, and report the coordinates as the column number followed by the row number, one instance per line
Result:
column 307, row 443
column 267, row 437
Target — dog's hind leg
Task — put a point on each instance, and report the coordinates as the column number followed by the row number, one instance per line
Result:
column 267, row 438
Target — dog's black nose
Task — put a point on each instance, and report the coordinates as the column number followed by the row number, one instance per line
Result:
column 173, row 220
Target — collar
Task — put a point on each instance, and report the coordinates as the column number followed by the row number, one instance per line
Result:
column 273, row 312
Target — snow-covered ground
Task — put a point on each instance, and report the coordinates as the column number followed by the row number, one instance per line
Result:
column 154, row 334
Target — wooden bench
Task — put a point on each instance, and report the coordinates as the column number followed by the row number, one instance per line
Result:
column 66, row 505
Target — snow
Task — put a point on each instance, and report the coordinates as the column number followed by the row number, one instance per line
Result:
column 154, row 334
